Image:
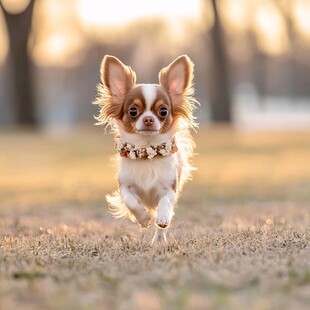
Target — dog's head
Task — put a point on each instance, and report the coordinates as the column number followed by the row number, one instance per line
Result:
column 146, row 108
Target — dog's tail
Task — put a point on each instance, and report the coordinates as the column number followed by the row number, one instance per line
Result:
column 117, row 207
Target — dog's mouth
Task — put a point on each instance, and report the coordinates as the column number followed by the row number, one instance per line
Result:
column 148, row 132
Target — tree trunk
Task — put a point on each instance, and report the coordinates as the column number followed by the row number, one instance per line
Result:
column 219, row 84
column 19, row 27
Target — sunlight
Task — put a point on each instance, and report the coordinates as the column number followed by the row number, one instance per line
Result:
column 15, row 6
column 58, row 49
column 61, row 29
column 98, row 13
column 270, row 29
column 235, row 15
column 302, row 14
column 58, row 41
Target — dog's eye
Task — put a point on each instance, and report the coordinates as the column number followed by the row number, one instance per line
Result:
column 133, row 112
column 163, row 112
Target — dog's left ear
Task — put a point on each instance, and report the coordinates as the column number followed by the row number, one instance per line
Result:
column 117, row 77
column 177, row 78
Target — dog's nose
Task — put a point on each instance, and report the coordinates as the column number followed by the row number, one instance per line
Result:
column 148, row 120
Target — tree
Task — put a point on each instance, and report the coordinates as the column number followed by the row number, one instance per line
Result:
column 18, row 28
column 219, row 93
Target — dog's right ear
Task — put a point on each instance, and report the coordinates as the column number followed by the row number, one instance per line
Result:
column 117, row 77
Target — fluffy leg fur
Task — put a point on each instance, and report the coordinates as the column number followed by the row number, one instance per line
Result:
column 165, row 209
column 132, row 202
column 160, row 235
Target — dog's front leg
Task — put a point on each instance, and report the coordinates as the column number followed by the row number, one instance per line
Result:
column 132, row 202
column 165, row 209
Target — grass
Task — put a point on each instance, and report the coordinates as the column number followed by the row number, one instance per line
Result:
column 240, row 238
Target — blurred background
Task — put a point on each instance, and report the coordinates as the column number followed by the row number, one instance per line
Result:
column 252, row 57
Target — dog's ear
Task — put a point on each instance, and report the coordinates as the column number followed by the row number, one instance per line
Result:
column 117, row 77
column 177, row 78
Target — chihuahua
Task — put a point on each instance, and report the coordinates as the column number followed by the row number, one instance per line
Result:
column 151, row 123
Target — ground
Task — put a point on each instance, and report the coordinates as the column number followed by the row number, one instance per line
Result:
column 240, row 238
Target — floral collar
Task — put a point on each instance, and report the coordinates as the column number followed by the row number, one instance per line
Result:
column 128, row 150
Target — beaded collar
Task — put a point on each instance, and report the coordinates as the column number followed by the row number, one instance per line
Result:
column 128, row 150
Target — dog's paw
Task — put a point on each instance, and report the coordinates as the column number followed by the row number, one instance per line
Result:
column 162, row 220
column 144, row 219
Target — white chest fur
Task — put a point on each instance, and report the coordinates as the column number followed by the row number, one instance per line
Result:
column 149, row 178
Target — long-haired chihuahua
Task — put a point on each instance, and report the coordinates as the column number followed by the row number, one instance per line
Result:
column 151, row 123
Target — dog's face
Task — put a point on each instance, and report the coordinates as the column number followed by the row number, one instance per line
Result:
column 146, row 109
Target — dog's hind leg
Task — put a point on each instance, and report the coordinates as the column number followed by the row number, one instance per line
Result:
column 160, row 236
column 132, row 202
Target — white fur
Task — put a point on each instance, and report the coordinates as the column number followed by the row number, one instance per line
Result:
column 134, row 205
column 143, row 140
column 149, row 92
column 146, row 186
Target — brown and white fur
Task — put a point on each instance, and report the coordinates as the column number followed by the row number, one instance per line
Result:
column 149, row 189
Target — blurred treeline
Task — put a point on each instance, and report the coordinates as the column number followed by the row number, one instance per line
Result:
column 50, row 69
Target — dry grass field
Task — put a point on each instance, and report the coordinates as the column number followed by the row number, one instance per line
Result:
column 240, row 238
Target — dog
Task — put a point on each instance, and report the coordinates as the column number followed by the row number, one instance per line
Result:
column 154, row 146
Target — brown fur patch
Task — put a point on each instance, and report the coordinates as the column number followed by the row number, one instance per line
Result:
column 163, row 100
column 133, row 98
